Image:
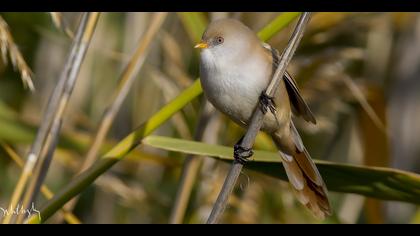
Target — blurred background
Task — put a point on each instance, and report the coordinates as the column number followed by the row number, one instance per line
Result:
column 357, row 71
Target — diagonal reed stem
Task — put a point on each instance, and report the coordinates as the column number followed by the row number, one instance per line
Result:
column 57, row 103
column 125, row 83
column 127, row 79
column 82, row 42
column 257, row 119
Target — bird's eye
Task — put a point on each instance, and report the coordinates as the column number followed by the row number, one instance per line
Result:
column 219, row 40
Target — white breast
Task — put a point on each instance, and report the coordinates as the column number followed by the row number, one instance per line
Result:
column 233, row 89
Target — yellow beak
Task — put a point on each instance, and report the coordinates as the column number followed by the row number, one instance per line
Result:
column 201, row 45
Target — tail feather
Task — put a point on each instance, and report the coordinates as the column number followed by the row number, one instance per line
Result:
column 305, row 162
column 306, row 181
column 311, row 194
column 296, row 177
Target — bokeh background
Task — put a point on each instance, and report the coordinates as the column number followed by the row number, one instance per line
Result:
column 359, row 73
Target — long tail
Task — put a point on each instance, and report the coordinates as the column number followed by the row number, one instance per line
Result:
column 304, row 177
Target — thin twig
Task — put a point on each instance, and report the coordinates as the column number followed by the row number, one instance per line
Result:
column 257, row 119
column 125, row 83
column 56, row 106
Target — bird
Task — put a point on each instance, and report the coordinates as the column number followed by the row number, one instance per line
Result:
column 235, row 69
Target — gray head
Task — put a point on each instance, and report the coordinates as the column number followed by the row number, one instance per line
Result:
column 228, row 38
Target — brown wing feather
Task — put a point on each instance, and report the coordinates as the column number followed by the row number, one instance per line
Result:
column 299, row 106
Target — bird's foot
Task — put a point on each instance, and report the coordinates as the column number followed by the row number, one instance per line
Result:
column 267, row 102
column 241, row 154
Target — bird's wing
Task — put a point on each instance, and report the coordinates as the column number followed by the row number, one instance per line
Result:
column 299, row 106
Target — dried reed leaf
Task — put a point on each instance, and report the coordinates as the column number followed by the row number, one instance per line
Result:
column 7, row 45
